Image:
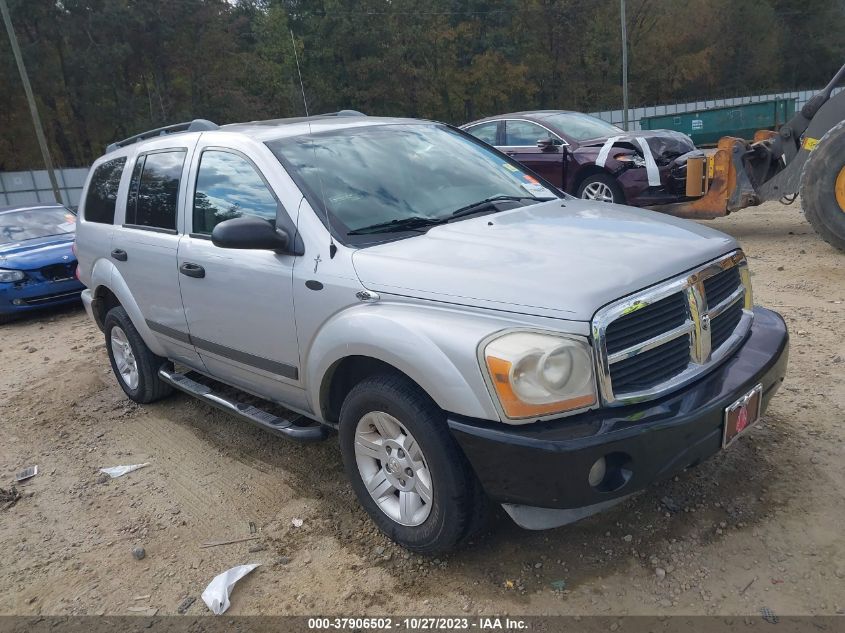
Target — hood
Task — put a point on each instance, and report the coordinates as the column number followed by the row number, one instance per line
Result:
column 665, row 145
column 564, row 258
column 38, row 252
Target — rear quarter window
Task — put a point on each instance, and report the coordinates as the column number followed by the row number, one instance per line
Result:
column 102, row 191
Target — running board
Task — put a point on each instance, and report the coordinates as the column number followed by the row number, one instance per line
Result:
column 264, row 419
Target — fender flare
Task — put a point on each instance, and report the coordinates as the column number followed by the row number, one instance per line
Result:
column 409, row 345
column 105, row 274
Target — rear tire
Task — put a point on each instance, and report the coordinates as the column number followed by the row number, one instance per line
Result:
column 444, row 510
column 601, row 187
column 134, row 365
column 823, row 187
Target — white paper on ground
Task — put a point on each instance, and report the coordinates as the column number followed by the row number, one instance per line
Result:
column 216, row 595
column 118, row 471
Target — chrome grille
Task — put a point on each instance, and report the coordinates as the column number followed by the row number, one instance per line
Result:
column 646, row 323
column 720, row 286
column 651, row 367
column 722, row 326
column 664, row 337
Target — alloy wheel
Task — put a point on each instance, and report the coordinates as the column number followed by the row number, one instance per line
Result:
column 393, row 468
column 597, row 191
column 124, row 357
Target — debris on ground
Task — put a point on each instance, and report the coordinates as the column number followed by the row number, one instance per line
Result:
column 558, row 585
column 769, row 615
column 119, row 471
column 745, row 588
column 185, row 605
column 9, row 497
column 27, row 473
column 670, row 504
column 216, row 595
column 139, row 553
column 297, row 523
column 218, row 542
column 148, row 611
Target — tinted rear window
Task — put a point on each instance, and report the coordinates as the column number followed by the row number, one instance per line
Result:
column 102, row 192
column 154, row 191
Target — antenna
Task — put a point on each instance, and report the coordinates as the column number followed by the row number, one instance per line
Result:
column 332, row 245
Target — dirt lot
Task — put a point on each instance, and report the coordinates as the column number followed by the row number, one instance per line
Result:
column 759, row 525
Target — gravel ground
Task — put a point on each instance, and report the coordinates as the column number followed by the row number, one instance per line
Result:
column 759, row 525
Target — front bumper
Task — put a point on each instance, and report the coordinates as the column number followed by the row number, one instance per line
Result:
column 545, row 465
column 638, row 192
column 37, row 294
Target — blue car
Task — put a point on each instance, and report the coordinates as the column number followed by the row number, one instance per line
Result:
column 37, row 264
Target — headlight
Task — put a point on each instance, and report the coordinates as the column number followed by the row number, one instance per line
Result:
column 536, row 374
column 635, row 159
column 7, row 276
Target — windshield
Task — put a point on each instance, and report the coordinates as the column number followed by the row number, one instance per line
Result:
column 383, row 174
column 581, row 126
column 29, row 224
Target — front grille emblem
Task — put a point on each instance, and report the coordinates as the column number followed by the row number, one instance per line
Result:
column 700, row 345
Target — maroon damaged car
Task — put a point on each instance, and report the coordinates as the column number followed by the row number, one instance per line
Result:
column 592, row 159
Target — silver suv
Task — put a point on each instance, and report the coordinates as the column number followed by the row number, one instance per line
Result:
column 470, row 332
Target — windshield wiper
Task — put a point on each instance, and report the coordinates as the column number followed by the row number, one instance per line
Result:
column 481, row 205
column 411, row 223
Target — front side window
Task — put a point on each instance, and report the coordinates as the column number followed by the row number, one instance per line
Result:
column 154, row 190
column 401, row 173
column 523, row 134
column 228, row 186
column 102, row 191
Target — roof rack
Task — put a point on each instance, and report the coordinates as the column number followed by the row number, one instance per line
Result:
column 197, row 125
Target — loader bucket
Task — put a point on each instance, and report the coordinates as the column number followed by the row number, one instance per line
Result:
column 717, row 182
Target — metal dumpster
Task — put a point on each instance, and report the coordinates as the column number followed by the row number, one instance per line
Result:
column 707, row 126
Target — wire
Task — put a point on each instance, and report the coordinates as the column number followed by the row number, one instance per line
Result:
column 332, row 245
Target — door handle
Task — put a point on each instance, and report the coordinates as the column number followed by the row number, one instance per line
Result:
column 192, row 270
column 119, row 254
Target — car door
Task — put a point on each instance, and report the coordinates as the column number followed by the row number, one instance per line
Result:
column 239, row 303
column 145, row 243
column 520, row 142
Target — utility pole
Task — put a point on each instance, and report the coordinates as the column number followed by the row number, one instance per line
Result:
column 624, row 65
column 33, row 109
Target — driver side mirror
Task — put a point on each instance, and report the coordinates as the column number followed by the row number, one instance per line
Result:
column 549, row 144
column 250, row 232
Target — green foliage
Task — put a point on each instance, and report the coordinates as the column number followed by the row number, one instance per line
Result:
column 107, row 69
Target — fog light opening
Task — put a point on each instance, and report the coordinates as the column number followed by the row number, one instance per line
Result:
column 610, row 473
column 597, row 472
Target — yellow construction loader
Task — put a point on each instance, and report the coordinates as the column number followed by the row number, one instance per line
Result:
column 806, row 156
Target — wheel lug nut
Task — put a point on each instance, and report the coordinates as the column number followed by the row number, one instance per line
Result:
column 402, row 482
column 401, row 453
column 409, row 472
column 388, row 449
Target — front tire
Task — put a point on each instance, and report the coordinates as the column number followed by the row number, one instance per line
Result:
column 134, row 365
column 602, row 188
column 823, row 187
column 406, row 469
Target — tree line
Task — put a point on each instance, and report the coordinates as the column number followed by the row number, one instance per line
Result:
column 103, row 70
